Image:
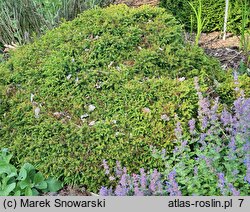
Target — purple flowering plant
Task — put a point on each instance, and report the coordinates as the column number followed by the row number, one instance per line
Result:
column 142, row 184
column 213, row 158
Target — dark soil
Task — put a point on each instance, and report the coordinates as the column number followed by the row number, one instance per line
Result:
column 227, row 51
column 70, row 191
column 228, row 57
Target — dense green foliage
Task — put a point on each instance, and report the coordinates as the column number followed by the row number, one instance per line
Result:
column 21, row 20
column 26, row 181
column 213, row 12
column 108, row 85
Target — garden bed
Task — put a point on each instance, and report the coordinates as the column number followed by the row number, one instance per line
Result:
column 226, row 51
column 128, row 89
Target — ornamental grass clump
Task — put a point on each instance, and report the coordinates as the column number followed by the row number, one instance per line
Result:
column 22, row 20
column 213, row 159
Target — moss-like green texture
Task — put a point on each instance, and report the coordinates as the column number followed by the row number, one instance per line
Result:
column 122, row 61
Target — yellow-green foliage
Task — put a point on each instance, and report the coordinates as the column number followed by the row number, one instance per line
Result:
column 124, row 62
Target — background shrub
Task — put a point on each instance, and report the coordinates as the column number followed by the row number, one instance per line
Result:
column 106, row 85
column 213, row 11
column 21, row 20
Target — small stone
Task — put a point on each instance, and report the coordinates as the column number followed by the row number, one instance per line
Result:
column 146, row 110
column 164, row 117
column 92, row 123
column 91, row 108
column 37, row 112
column 58, row 114
column 111, row 178
column 113, row 121
column 53, row 193
column 84, row 116
column 68, row 77
column 181, row 79
column 110, row 64
column 98, row 85
column 32, row 97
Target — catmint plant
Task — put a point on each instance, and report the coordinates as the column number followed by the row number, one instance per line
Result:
column 142, row 184
column 217, row 149
column 213, row 158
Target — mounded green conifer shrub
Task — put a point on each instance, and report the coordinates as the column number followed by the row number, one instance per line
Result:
column 212, row 10
column 106, row 85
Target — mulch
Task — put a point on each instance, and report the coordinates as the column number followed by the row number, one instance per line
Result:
column 71, row 191
column 227, row 51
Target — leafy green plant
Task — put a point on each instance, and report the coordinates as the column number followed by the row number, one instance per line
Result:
column 200, row 21
column 27, row 181
column 243, row 69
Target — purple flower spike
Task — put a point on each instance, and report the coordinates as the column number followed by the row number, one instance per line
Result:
column 236, row 77
column 143, row 178
column 202, row 141
column 191, row 124
column 118, row 169
column 214, row 115
column 232, row 148
column 184, row 143
column 120, row 191
column 196, row 84
column 247, row 163
column 103, row 191
column 137, row 191
column 204, row 106
column 173, row 185
column 178, row 130
column 154, row 179
column 123, row 180
column 234, row 191
column 106, row 167
column 226, row 118
column 221, row 183
column 204, row 122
